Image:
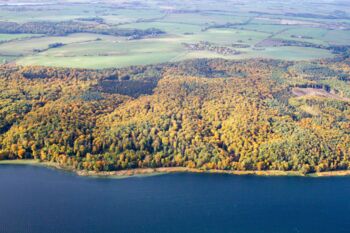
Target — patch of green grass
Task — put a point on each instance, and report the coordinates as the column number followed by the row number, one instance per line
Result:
column 59, row 12
column 117, row 47
column 117, row 16
column 8, row 37
column 267, row 28
column 108, row 53
column 228, row 36
column 170, row 28
column 265, row 21
column 6, row 59
column 27, row 46
column 317, row 34
column 292, row 53
column 20, row 162
column 98, row 62
column 337, row 37
column 283, row 53
column 204, row 18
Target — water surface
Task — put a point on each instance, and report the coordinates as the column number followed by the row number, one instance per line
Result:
column 40, row 200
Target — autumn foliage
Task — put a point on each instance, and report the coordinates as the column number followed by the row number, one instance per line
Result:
column 207, row 114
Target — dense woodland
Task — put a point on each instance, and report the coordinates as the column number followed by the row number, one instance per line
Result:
column 207, row 114
column 75, row 26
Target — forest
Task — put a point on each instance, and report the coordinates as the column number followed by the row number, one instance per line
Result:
column 209, row 114
column 68, row 27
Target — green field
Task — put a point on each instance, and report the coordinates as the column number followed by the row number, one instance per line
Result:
column 294, row 53
column 310, row 35
column 104, row 54
column 20, row 162
column 9, row 37
column 220, row 23
column 171, row 28
column 229, row 36
column 118, row 16
column 338, row 37
column 267, row 28
column 27, row 46
column 205, row 18
column 97, row 62
column 7, row 59
column 57, row 12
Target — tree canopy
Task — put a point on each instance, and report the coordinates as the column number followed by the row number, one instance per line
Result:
column 207, row 114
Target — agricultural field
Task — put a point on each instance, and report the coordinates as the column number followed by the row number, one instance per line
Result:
column 168, row 27
column 7, row 59
column 338, row 37
column 277, row 30
column 204, row 18
column 30, row 45
column 9, row 37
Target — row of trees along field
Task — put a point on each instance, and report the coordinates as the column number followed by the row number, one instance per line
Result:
column 207, row 114
column 63, row 28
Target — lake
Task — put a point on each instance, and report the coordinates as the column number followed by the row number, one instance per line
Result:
column 41, row 200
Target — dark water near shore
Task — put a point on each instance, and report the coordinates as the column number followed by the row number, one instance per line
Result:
column 41, row 200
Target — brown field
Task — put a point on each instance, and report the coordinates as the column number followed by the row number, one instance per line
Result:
column 299, row 92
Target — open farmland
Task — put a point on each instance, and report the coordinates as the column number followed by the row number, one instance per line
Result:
column 277, row 31
column 32, row 45
column 9, row 37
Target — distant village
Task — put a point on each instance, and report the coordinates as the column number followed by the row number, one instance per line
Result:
column 207, row 46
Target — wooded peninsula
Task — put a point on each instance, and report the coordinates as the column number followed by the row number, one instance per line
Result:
column 205, row 114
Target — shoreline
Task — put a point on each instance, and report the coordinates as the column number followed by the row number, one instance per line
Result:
column 171, row 170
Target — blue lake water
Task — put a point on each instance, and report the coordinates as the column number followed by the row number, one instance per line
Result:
column 41, row 200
